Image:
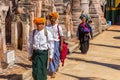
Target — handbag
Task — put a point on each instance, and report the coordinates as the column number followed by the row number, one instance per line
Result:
column 64, row 51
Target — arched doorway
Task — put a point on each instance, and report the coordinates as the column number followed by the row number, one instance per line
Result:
column 8, row 28
column 20, row 35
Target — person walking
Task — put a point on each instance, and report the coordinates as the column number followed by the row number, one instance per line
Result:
column 90, row 27
column 57, row 33
column 40, row 40
column 83, row 34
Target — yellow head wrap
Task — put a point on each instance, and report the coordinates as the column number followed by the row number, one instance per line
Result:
column 39, row 20
column 54, row 14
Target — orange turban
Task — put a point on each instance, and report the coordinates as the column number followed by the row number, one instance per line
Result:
column 39, row 20
column 54, row 14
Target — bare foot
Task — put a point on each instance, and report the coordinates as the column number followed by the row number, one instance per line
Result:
column 53, row 75
column 58, row 68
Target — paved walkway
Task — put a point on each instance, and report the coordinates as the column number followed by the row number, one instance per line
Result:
column 101, row 63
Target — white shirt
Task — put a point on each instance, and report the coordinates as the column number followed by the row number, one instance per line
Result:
column 41, row 42
column 54, row 31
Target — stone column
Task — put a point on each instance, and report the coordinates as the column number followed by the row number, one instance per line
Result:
column 97, row 16
column 31, row 21
column 69, row 26
column 84, row 4
column 68, row 19
column 3, row 37
column 14, row 33
column 3, row 13
column 39, row 8
column 1, row 50
column 94, row 15
column 53, row 6
column 102, row 21
column 26, row 28
column 36, row 12
column 76, row 12
column 60, row 7
column 10, row 3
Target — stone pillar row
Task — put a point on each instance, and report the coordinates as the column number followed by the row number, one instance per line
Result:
column 39, row 9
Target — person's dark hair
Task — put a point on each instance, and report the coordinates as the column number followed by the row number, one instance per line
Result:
column 89, row 21
column 81, row 16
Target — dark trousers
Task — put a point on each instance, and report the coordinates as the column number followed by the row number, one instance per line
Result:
column 84, row 46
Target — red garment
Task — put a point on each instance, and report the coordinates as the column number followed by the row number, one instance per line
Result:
column 63, row 53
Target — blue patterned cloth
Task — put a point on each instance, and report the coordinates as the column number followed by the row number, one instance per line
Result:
column 56, row 58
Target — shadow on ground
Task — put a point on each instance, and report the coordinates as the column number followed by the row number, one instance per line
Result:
column 83, row 78
column 76, row 52
column 114, row 30
column 11, row 77
column 24, row 65
column 105, row 45
column 113, row 66
column 117, row 37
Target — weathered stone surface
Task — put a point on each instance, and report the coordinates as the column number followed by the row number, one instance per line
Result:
column 1, row 50
column 3, row 12
column 76, row 12
column 84, row 5
column 97, row 16
column 10, row 57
